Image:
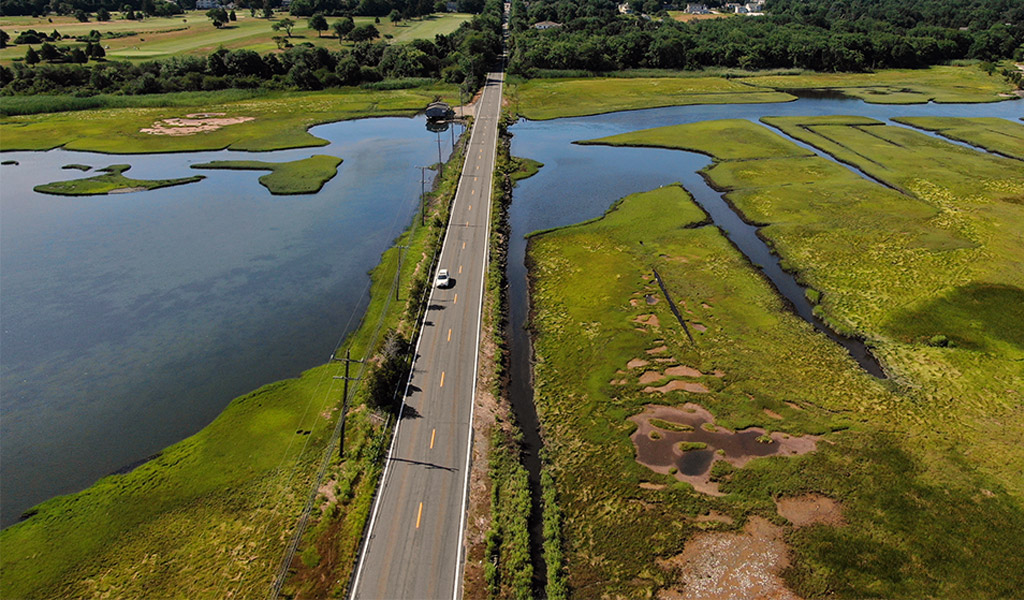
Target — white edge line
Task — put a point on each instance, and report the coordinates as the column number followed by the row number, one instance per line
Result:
column 476, row 360
column 408, row 382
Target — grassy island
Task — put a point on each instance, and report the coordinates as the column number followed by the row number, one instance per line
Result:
column 111, row 182
column 305, row 176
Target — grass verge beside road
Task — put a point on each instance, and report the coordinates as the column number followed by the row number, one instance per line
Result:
column 906, row 531
column 305, row 176
column 279, row 120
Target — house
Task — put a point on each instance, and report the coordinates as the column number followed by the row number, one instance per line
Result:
column 754, row 7
column 207, row 4
column 697, row 9
column 542, row 25
column 437, row 111
column 625, row 9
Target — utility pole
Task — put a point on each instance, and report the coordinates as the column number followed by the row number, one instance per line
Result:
column 440, row 164
column 423, row 195
column 344, row 402
column 398, row 272
column 452, row 123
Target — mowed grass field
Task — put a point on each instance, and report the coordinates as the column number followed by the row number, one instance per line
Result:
column 194, row 33
column 279, row 120
column 928, row 275
column 995, row 135
column 552, row 98
column 908, row 531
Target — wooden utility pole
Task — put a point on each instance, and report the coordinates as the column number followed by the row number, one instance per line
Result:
column 344, row 401
column 423, row 195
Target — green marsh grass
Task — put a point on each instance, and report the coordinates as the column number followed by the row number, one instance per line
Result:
column 992, row 134
column 901, row 516
column 280, row 120
column 304, row 176
column 110, row 181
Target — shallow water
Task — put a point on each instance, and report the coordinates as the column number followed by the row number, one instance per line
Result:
column 129, row 321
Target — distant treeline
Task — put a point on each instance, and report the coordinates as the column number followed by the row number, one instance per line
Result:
column 462, row 56
column 821, row 35
column 302, row 8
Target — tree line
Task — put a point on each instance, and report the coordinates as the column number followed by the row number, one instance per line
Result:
column 460, row 57
column 301, row 8
column 820, row 35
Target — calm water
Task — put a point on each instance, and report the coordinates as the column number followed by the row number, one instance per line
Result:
column 129, row 321
column 581, row 182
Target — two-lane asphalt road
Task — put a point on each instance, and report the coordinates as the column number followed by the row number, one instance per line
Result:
column 414, row 547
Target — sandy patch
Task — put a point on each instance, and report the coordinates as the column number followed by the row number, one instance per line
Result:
column 327, row 491
column 718, row 373
column 647, row 485
column 664, row 360
column 810, row 509
column 636, row 363
column 634, row 302
column 683, row 371
column 127, row 190
column 657, row 350
column 793, row 405
column 651, row 377
column 771, row 413
column 688, row 386
column 731, row 566
column 698, row 326
column 651, row 320
column 193, row 124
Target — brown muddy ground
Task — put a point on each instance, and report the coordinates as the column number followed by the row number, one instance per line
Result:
column 810, row 509
column 731, row 566
column 658, row 448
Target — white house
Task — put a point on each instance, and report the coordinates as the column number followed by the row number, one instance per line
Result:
column 546, row 25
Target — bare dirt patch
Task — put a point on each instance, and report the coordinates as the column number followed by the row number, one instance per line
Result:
column 715, row 517
column 651, row 377
column 636, row 363
column 810, row 509
column 658, row 350
column 650, row 320
column 688, row 386
column 771, row 413
column 662, row 452
column 699, row 326
column 683, row 371
column 731, row 566
column 127, row 190
column 193, row 124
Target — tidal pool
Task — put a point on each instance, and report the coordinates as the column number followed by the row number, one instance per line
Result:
column 129, row 321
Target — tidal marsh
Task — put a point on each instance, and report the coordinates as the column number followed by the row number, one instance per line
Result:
column 304, row 176
column 902, row 517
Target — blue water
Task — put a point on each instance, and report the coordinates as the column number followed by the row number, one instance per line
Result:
column 129, row 321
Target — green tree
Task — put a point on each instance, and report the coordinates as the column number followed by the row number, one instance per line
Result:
column 82, row 16
column 267, row 11
column 232, row 16
column 4, row 38
column 286, row 24
column 31, row 57
column 78, row 57
column 217, row 14
column 364, row 33
column 319, row 23
column 395, row 16
column 102, row 14
column 343, row 26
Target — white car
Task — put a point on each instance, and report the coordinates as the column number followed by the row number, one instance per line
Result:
column 442, row 280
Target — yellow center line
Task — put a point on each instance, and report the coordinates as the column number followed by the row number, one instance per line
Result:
column 463, row 245
column 432, row 432
column 442, row 379
column 456, row 300
column 472, row 191
column 449, row 334
column 419, row 514
column 460, row 269
column 470, row 207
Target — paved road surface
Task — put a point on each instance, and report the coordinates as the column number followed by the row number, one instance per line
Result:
column 415, row 537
